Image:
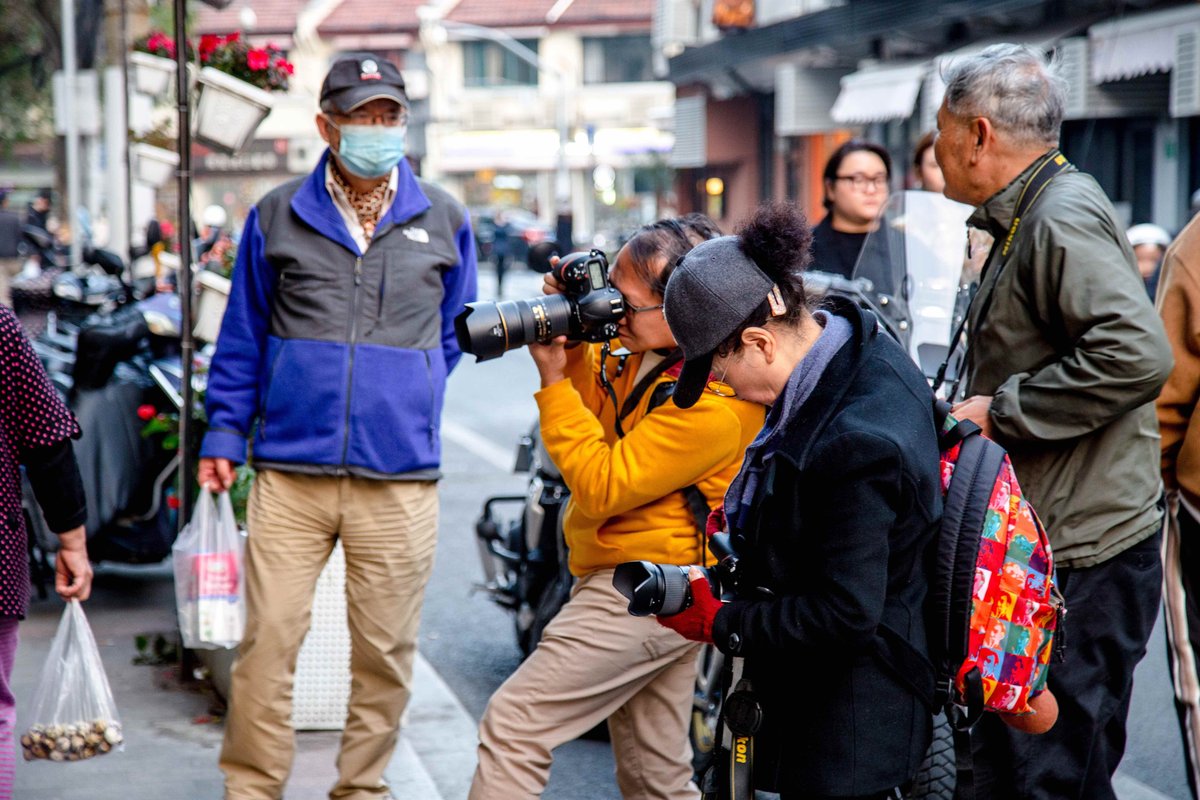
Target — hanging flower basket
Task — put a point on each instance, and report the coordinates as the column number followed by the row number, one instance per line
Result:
column 152, row 165
column 227, row 110
column 151, row 74
column 231, row 91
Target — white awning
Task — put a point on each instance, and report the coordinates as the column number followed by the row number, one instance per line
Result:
column 1138, row 45
column 878, row 93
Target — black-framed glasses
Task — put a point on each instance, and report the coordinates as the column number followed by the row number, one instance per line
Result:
column 860, row 182
column 631, row 308
column 389, row 119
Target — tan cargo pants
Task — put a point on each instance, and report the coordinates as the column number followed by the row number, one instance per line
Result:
column 594, row 662
column 388, row 530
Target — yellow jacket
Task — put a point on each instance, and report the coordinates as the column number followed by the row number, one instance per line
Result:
column 626, row 501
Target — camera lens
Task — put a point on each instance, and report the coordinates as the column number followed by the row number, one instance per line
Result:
column 650, row 588
column 487, row 330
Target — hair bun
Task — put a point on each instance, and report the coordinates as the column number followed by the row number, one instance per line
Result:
column 778, row 239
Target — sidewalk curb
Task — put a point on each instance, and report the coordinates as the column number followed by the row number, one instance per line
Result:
column 440, row 735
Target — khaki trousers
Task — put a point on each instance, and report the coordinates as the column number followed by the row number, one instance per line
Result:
column 388, row 530
column 594, row 662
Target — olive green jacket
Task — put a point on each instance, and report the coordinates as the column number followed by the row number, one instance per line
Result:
column 1073, row 355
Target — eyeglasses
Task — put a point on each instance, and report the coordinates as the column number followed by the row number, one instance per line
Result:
column 632, row 309
column 861, row 182
column 391, row 119
column 718, row 386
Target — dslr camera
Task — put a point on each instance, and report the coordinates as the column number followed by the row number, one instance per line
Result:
column 586, row 311
column 664, row 589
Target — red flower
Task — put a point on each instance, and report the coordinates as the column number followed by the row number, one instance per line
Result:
column 208, row 43
column 258, row 59
column 146, row 412
column 285, row 66
column 233, row 37
column 159, row 42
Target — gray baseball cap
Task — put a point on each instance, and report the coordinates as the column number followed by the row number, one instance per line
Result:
column 715, row 288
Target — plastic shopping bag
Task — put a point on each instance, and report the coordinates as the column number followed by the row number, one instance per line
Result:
column 73, row 711
column 209, row 585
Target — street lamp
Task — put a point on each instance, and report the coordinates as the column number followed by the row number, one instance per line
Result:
column 435, row 29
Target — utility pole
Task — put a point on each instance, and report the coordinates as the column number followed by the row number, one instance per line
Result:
column 70, row 70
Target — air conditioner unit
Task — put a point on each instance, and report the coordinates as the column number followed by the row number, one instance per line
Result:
column 1185, row 77
column 1074, row 70
column 803, row 98
column 675, row 24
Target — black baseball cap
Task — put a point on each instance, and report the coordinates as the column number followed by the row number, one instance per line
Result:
column 715, row 289
column 357, row 78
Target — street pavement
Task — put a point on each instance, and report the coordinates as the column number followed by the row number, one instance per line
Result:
column 467, row 649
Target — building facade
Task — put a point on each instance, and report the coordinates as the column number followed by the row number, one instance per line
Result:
column 812, row 73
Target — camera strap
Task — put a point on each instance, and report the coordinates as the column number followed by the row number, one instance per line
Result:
column 639, row 391
column 1051, row 166
column 741, row 717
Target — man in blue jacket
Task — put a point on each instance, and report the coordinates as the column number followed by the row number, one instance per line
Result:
column 331, row 367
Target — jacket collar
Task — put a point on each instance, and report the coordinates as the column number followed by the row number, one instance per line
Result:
column 996, row 214
column 312, row 203
column 824, row 401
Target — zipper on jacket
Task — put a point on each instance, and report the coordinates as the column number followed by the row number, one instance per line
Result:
column 352, row 342
column 432, row 399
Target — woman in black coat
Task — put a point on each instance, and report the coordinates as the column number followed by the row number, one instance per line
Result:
column 832, row 514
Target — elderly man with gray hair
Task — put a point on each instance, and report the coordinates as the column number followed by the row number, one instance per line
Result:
column 1066, row 356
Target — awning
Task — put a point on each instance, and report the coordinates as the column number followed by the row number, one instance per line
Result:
column 878, row 94
column 1138, row 45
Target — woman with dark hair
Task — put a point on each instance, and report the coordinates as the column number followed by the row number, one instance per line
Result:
column 643, row 473
column 837, row 502
column 856, row 188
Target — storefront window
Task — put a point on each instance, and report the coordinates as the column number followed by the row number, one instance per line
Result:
column 617, row 59
column 487, row 64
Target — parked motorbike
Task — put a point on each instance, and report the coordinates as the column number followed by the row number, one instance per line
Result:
column 118, row 368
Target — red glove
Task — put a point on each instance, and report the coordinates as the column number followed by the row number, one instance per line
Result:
column 696, row 621
column 715, row 522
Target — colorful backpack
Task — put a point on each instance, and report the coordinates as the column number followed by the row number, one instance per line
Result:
column 994, row 608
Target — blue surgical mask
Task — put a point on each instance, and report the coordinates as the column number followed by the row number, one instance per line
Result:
column 370, row 151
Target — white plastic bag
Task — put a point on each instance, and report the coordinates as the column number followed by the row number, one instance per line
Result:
column 209, row 584
column 74, row 716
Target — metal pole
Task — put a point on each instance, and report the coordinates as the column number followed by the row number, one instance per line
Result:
column 186, row 345
column 69, row 107
column 128, row 254
column 562, row 179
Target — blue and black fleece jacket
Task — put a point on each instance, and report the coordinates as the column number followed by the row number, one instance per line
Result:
column 333, row 361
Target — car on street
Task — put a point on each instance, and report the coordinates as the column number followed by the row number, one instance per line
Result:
column 524, row 231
